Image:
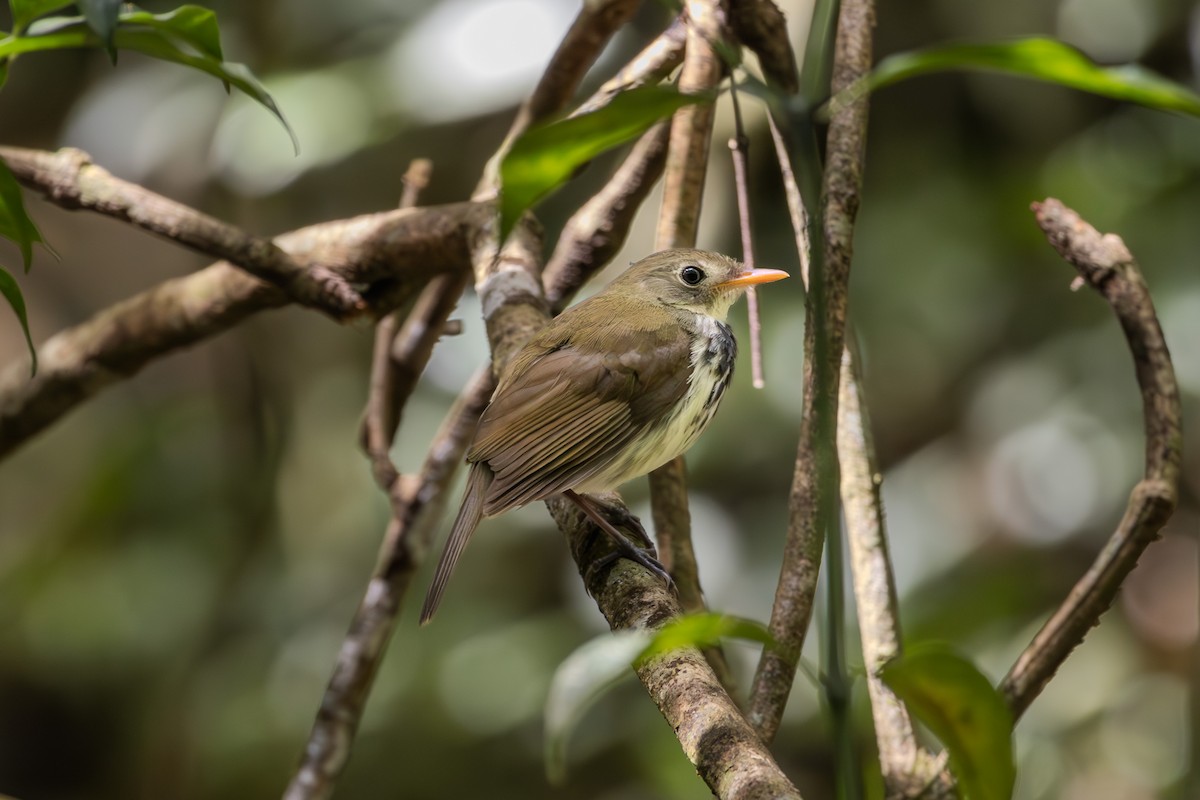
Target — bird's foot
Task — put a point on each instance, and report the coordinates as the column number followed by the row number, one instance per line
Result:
column 638, row 555
column 644, row 555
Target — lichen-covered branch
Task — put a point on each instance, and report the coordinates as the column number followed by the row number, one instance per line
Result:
column 1105, row 264
column 714, row 735
column 814, row 491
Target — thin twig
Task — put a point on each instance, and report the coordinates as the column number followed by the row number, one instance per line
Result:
column 405, row 543
column 399, row 251
column 655, row 62
column 1105, row 264
column 739, row 146
column 71, row 180
column 398, row 359
column 385, row 394
column 683, row 191
column 813, row 500
column 901, row 760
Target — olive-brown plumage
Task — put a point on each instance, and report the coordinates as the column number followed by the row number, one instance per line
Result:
column 611, row 389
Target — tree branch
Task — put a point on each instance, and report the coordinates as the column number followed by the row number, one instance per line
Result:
column 715, row 737
column 69, row 179
column 902, row 762
column 396, row 252
column 1105, row 264
column 416, row 503
column 814, row 485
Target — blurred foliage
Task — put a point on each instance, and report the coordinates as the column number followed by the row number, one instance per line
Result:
column 179, row 558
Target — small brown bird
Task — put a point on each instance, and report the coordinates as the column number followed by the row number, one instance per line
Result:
column 611, row 389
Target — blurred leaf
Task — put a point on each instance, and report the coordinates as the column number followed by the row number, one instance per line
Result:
column 12, row 293
column 597, row 666
column 703, row 630
column 153, row 44
column 188, row 35
column 26, row 11
column 580, row 680
column 960, row 706
column 15, row 223
column 545, row 157
column 101, row 16
column 1038, row 58
column 192, row 25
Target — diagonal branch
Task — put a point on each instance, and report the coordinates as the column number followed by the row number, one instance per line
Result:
column 69, row 179
column 398, row 250
column 728, row 755
column 815, row 482
column 580, row 47
column 1105, row 264
column 656, row 61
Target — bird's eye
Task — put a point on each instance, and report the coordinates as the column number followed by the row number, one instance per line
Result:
column 691, row 275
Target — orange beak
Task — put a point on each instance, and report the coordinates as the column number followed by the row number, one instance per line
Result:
column 754, row 277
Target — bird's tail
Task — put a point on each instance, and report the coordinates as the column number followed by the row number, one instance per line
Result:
column 464, row 525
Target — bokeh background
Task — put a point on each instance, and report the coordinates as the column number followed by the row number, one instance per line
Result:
column 180, row 557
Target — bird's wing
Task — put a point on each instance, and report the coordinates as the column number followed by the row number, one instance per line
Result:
column 564, row 412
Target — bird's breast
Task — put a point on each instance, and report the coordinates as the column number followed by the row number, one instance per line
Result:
column 711, row 359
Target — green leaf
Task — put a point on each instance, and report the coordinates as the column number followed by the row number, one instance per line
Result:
column 152, row 43
column 12, row 293
column 1038, row 58
column 188, row 35
column 597, row 666
column 958, row 704
column 580, row 680
column 192, row 25
column 703, row 630
column 15, row 223
column 546, row 156
column 101, row 16
column 26, row 11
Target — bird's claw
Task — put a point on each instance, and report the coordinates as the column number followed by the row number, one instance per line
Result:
column 638, row 555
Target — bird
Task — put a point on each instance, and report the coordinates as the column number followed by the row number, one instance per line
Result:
column 609, row 390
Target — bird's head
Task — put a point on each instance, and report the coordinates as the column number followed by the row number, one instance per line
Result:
column 694, row 280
